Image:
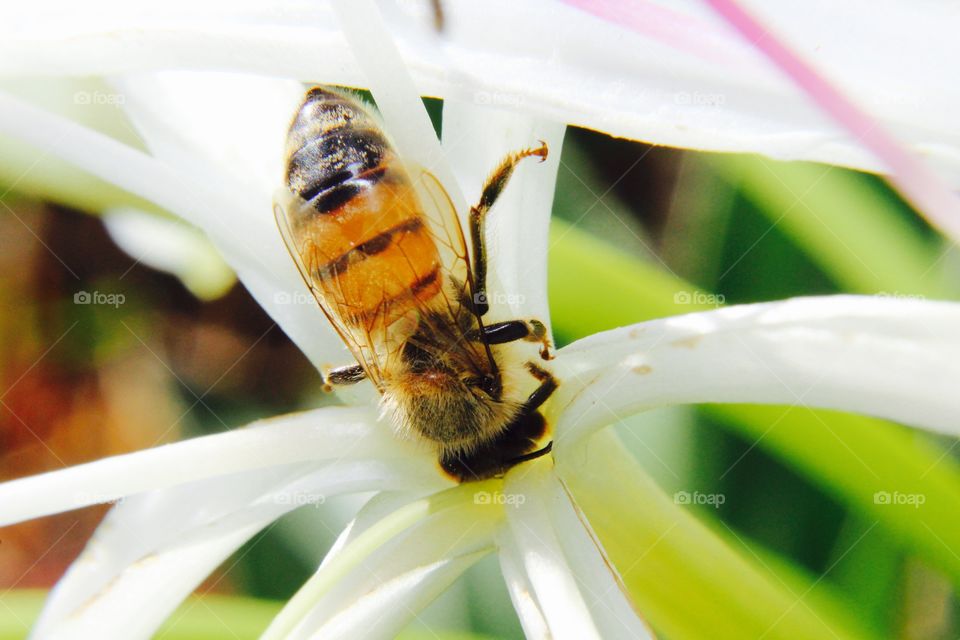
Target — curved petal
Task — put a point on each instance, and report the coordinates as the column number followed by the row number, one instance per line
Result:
column 229, row 130
column 170, row 246
column 891, row 358
column 522, row 594
column 238, row 219
column 578, row 591
column 155, row 548
column 332, row 434
column 477, row 138
column 376, row 582
column 685, row 81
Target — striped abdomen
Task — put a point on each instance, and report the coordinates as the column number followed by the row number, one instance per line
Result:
column 363, row 239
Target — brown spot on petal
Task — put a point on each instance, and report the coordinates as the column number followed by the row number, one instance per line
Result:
column 642, row 369
column 687, row 343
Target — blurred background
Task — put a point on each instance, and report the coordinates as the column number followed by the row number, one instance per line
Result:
column 102, row 354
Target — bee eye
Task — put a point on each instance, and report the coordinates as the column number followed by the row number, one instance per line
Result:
column 490, row 384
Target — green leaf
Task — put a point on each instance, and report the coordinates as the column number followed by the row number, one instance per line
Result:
column 856, row 234
column 835, row 451
column 686, row 580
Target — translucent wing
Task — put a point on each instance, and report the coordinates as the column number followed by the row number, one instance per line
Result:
column 458, row 294
column 405, row 276
column 285, row 203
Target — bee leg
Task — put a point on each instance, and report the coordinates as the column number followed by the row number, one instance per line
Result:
column 511, row 330
column 343, row 376
column 548, row 384
column 478, row 213
column 512, row 446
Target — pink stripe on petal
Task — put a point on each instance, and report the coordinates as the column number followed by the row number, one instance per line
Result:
column 929, row 195
column 909, row 175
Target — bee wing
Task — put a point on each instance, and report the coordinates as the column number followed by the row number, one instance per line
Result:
column 441, row 216
column 361, row 345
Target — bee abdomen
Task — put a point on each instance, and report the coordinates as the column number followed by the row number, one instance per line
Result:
column 335, row 151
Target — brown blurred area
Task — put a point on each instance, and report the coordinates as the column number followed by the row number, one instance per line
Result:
column 82, row 381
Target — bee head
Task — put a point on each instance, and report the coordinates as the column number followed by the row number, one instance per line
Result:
column 455, row 412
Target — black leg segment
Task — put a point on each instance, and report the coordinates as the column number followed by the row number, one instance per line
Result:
column 478, row 213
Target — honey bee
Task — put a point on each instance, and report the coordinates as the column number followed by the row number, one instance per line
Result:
column 379, row 244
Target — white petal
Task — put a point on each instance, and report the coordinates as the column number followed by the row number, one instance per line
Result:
column 578, row 590
column 172, row 247
column 892, row 358
column 229, row 131
column 235, row 213
column 150, row 552
column 155, row 548
column 330, row 434
column 384, row 575
column 477, row 138
column 522, row 593
column 687, row 80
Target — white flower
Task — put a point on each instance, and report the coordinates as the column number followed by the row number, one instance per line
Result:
column 214, row 142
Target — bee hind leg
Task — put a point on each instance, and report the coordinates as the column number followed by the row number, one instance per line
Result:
column 491, row 191
column 343, row 376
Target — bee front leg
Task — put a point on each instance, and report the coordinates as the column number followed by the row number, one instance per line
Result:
column 512, row 330
column 491, row 191
column 343, row 376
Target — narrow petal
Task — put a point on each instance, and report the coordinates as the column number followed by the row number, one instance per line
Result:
column 686, row 80
column 380, row 579
column 578, row 590
column 477, row 138
column 155, row 548
column 331, row 434
column 229, row 130
column 522, row 593
column 171, row 246
column 891, row 358
column 908, row 173
column 236, row 214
